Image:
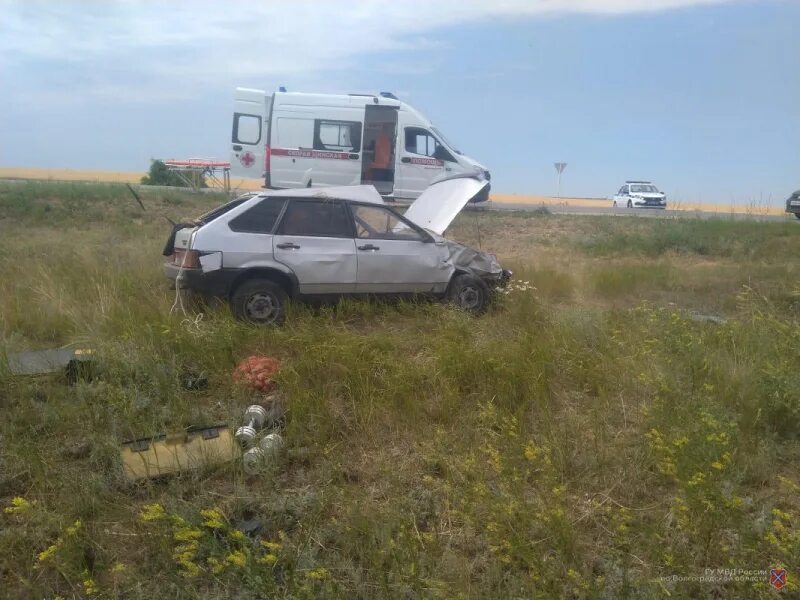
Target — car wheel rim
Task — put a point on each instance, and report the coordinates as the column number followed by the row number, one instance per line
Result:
column 469, row 297
column 262, row 307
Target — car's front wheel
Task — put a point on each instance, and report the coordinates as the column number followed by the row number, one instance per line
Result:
column 468, row 293
column 260, row 301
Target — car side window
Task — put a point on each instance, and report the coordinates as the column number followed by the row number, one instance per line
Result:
column 423, row 142
column 623, row 190
column 260, row 218
column 317, row 218
column 377, row 223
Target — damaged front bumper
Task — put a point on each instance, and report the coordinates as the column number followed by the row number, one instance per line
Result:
column 480, row 264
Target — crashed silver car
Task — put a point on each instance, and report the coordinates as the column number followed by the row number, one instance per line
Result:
column 262, row 249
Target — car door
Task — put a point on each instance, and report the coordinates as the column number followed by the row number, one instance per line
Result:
column 621, row 199
column 315, row 240
column 422, row 159
column 249, row 135
column 395, row 256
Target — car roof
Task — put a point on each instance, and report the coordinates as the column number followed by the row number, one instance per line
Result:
column 352, row 193
column 433, row 210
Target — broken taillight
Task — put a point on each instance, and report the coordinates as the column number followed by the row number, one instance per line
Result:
column 188, row 259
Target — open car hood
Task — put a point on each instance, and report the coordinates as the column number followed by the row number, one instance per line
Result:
column 439, row 204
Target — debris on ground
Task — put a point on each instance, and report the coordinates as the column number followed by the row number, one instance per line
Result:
column 192, row 381
column 254, row 418
column 166, row 454
column 257, row 372
column 700, row 318
column 255, row 458
column 74, row 363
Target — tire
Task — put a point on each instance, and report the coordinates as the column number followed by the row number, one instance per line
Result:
column 797, row 215
column 468, row 293
column 615, row 204
column 630, row 204
column 260, row 301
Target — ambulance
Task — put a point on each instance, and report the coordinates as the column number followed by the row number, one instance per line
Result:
column 300, row 140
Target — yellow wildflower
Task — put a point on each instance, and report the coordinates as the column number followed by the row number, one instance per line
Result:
column 152, row 512
column 237, row 558
column 271, row 546
column 217, row 567
column 268, row 559
column 717, row 465
column 89, row 586
column 531, row 451
column 320, row 573
column 118, row 567
column 49, row 552
column 73, row 529
column 237, row 535
column 18, row 505
column 214, row 519
column 187, row 534
column 697, row 479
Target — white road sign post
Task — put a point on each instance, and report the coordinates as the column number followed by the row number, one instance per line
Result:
column 560, row 166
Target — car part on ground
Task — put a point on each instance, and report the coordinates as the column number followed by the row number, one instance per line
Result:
column 312, row 244
column 168, row 454
column 255, row 416
column 75, row 364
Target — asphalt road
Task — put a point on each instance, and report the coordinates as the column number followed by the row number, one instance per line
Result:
column 647, row 213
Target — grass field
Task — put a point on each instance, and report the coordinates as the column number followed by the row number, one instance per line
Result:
column 594, row 435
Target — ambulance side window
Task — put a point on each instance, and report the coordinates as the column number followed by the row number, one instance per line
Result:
column 337, row 136
column 294, row 133
column 421, row 141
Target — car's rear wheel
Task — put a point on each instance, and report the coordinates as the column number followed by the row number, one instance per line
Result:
column 468, row 293
column 630, row 204
column 260, row 301
column 797, row 215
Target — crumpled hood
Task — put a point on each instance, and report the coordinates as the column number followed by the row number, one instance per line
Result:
column 478, row 263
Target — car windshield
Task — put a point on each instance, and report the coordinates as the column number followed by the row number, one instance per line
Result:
column 647, row 189
column 444, row 140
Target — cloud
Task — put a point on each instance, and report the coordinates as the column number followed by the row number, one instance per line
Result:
column 157, row 50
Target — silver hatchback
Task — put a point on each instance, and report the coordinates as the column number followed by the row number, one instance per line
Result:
column 262, row 249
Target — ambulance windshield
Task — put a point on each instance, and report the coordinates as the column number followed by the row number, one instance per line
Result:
column 444, row 140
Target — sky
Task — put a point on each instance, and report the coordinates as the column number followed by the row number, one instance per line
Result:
column 700, row 96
